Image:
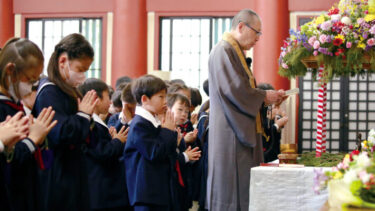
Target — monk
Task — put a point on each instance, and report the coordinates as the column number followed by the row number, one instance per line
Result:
column 235, row 142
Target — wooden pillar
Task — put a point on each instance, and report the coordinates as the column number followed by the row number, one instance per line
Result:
column 129, row 55
column 275, row 24
column 6, row 21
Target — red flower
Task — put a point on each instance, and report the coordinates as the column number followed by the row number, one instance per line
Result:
column 285, row 44
column 333, row 11
column 339, row 51
column 354, row 152
column 337, row 41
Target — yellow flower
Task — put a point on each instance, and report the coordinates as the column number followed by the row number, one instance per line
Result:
column 369, row 17
column 337, row 175
column 361, row 45
column 319, row 20
column 340, row 36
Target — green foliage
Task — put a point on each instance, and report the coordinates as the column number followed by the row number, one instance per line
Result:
column 326, row 160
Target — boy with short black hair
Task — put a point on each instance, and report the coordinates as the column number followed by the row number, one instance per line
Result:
column 124, row 117
column 150, row 146
column 179, row 104
column 106, row 174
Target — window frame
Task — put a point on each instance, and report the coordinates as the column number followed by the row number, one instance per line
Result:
column 103, row 16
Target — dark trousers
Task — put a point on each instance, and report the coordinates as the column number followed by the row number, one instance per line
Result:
column 150, row 207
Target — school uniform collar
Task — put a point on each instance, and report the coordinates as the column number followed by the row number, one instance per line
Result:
column 9, row 101
column 120, row 118
column 98, row 120
column 148, row 116
column 5, row 98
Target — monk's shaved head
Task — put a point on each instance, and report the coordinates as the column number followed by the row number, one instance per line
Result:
column 246, row 15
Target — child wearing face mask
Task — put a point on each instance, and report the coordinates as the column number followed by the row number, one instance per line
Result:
column 21, row 63
column 64, row 185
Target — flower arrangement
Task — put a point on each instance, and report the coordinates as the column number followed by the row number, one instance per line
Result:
column 342, row 39
column 352, row 181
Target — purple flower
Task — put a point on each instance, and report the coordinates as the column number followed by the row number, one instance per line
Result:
column 365, row 35
column 319, row 180
column 325, row 51
column 307, row 46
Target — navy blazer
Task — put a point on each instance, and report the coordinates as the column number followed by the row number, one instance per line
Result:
column 147, row 162
column 64, row 185
column 17, row 178
column 106, row 174
column 115, row 122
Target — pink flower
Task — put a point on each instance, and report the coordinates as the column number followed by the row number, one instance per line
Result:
column 372, row 30
column 326, row 26
column 283, row 53
column 285, row 66
column 316, row 44
column 348, row 44
column 323, row 38
column 360, row 21
column 371, row 42
column 315, row 53
column 312, row 40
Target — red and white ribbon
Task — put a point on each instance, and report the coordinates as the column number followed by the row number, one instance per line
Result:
column 321, row 129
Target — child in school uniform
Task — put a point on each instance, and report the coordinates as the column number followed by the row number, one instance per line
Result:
column 149, row 146
column 64, row 185
column 190, row 135
column 179, row 105
column 21, row 63
column 106, row 174
column 124, row 117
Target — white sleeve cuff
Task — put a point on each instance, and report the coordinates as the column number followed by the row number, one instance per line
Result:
column 84, row 115
column 29, row 145
column 1, row 146
column 276, row 126
column 121, row 119
column 186, row 157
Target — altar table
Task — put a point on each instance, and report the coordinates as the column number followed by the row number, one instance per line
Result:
column 284, row 188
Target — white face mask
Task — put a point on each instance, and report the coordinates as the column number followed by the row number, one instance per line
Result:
column 24, row 88
column 75, row 78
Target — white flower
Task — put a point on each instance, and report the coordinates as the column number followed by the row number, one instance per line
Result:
column 346, row 20
column 363, row 160
column 364, row 176
column 371, row 133
column 371, row 140
column 350, row 176
column 336, row 17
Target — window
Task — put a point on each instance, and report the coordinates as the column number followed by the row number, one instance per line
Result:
column 186, row 44
column 46, row 33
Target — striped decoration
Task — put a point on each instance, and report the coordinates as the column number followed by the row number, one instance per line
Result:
column 321, row 128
